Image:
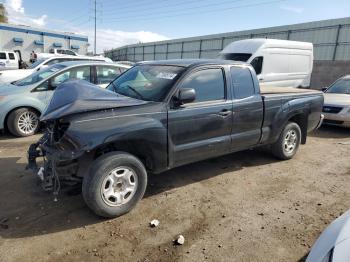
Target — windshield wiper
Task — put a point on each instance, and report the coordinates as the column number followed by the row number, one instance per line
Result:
column 129, row 87
column 135, row 91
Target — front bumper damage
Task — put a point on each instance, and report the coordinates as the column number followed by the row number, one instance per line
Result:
column 55, row 169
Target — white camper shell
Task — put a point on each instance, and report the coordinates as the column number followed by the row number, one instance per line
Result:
column 280, row 63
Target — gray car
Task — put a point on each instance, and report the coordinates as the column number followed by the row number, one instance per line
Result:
column 23, row 101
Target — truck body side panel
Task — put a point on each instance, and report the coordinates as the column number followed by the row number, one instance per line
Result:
column 142, row 132
column 279, row 109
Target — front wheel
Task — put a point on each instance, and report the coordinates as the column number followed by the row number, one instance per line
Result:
column 288, row 143
column 115, row 184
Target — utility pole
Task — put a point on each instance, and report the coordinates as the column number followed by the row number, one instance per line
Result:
column 95, row 26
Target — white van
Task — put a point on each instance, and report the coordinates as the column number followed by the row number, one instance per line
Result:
column 281, row 63
column 8, row 60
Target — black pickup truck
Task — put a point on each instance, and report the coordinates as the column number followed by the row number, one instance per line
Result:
column 159, row 115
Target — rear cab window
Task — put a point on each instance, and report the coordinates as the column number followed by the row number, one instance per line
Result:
column 12, row 56
column 242, row 81
column 209, row 84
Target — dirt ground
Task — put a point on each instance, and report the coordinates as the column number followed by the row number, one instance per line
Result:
column 246, row 206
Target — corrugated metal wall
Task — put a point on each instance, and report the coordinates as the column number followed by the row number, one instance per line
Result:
column 331, row 39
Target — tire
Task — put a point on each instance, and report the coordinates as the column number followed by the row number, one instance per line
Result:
column 283, row 149
column 23, row 122
column 105, row 186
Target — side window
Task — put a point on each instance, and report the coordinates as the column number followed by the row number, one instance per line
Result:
column 12, row 56
column 2, row 55
column 106, row 74
column 208, row 83
column 257, row 64
column 68, row 52
column 82, row 73
column 242, row 81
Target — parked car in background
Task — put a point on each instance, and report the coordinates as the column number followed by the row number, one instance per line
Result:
column 23, row 101
column 160, row 115
column 337, row 103
column 333, row 244
column 281, row 63
column 8, row 60
column 9, row 76
column 56, row 52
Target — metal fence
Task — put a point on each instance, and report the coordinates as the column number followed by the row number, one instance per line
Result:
column 331, row 39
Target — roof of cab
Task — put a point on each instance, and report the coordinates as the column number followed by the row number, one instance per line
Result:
column 192, row 62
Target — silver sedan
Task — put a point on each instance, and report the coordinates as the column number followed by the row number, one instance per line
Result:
column 337, row 103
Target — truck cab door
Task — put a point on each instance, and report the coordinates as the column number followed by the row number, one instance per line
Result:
column 248, row 111
column 201, row 129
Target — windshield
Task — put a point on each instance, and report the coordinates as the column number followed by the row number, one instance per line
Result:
column 146, row 82
column 341, row 86
column 39, row 75
column 236, row 56
column 36, row 63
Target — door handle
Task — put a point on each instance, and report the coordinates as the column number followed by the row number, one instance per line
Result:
column 225, row 112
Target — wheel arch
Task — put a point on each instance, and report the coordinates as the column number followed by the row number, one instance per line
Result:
column 141, row 149
column 300, row 118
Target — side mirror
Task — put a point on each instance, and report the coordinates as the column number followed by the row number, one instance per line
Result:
column 186, row 95
column 324, row 89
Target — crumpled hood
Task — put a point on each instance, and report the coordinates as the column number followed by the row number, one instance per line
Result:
column 79, row 96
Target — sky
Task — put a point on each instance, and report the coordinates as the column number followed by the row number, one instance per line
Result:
column 121, row 22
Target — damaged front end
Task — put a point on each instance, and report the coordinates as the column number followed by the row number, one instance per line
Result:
column 59, row 158
column 65, row 147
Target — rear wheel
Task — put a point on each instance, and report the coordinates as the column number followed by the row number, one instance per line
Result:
column 23, row 122
column 115, row 184
column 288, row 143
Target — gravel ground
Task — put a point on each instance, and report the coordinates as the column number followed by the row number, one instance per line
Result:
column 246, row 206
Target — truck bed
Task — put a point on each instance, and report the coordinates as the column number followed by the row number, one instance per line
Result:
column 273, row 90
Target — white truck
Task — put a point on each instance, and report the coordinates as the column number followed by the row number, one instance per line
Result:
column 8, row 60
column 281, row 63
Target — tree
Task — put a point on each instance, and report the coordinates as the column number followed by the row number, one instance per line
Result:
column 3, row 14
